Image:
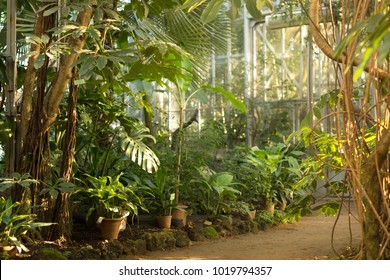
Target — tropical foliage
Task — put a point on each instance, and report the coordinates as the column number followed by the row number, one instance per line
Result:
column 83, row 68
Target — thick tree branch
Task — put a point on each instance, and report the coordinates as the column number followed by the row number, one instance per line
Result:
column 29, row 80
column 56, row 93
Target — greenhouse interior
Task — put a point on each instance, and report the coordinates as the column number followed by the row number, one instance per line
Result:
column 135, row 129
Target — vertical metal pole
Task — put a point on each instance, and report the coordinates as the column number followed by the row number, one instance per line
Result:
column 310, row 78
column 301, row 62
column 247, row 88
column 254, row 61
column 10, row 151
column 228, row 123
column 319, row 77
column 282, row 51
column 264, row 64
column 212, row 97
column 229, row 63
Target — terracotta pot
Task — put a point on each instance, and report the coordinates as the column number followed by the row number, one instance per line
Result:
column 270, row 208
column 164, row 221
column 282, row 206
column 252, row 214
column 180, row 215
column 109, row 228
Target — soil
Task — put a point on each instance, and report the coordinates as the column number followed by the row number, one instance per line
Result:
column 310, row 238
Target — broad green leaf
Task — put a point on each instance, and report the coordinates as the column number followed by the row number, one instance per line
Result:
column 50, row 11
column 86, row 66
column 384, row 49
column 95, row 33
column 317, row 112
column 38, row 63
column 229, row 96
column 101, row 62
column 66, row 189
column 27, row 182
column 4, row 186
column 373, row 22
column 79, row 82
column 67, row 184
column 251, row 6
column 53, row 193
column 65, row 11
column 45, row 39
column 355, row 31
column 235, row 7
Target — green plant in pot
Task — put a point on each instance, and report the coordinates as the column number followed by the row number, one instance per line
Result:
column 107, row 199
column 244, row 209
column 162, row 200
column 269, row 196
column 216, row 192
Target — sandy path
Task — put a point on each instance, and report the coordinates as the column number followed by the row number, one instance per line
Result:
column 310, row 238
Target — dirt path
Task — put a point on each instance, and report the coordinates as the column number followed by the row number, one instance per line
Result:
column 310, row 238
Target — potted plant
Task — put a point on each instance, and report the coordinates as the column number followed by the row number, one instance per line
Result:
column 216, row 192
column 243, row 209
column 109, row 202
column 162, row 199
column 179, row 214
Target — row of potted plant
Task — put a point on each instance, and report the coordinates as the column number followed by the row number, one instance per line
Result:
column 256, row 179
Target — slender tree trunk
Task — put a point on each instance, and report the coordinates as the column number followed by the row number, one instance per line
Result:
column 35, row 147
column 179, row 153
column 62, row 212
column 29, row 81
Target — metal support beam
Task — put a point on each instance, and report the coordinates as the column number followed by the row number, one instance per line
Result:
column 248, row 77
column 310, row 84
column 212, row 96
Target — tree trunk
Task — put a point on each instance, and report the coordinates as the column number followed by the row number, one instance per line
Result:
column 62, row 212
column 57, row 90
column 29, row 80
column 35, row 148
column 371, row 167
column 45, row 107
column 373, row 228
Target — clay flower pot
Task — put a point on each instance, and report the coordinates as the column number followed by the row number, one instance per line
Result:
column 180, row 215
column 164, row 221
column 270, row 208
column 109, row 228
column 252, row 214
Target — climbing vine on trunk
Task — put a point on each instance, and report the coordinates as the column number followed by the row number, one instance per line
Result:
column 366, row 162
